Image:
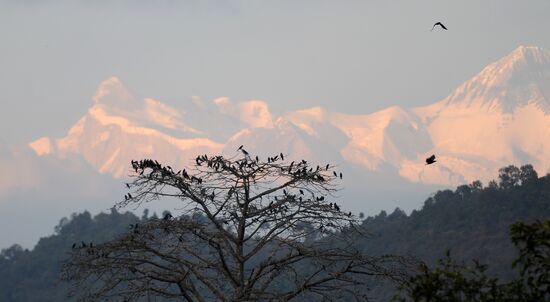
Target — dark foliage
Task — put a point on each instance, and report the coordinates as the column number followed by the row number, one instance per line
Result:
column 450, row 281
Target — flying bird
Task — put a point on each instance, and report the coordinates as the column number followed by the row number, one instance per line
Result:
column 430, row 160
column 240, row 147
column 439, row 24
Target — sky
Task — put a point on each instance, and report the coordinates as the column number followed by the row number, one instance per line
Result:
column 347, row 56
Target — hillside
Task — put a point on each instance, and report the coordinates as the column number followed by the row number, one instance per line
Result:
column 472, row 221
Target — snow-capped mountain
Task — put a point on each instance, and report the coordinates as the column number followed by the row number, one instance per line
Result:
column 117, row 129
column 498, row 117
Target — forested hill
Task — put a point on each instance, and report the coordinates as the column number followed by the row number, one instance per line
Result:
column 472, row 221
column 33, row 275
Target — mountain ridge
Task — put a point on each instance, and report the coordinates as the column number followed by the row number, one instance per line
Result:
column 485, row 123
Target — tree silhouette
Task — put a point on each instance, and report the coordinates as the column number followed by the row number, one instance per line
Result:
column 510, row 176
column 248, row 230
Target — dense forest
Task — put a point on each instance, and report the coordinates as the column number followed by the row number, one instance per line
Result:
column 471, row 221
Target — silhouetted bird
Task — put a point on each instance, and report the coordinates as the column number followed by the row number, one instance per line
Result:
column 340, row 175
column 328, row 165
column 74, row 245
column 240, row 147
column 334, row 172
column 128, row 186
column 282, row 157
column 439, row 24
column 430, row 160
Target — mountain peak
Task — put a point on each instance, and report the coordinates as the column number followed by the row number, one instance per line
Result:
column 525, row 63
column 522, row 59
column 533, row 54
column 112, row 93
column 517, row 79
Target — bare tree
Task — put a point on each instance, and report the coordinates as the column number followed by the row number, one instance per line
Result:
column 248, row 230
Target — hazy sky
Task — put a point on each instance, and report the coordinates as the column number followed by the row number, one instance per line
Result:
column 349, row 56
